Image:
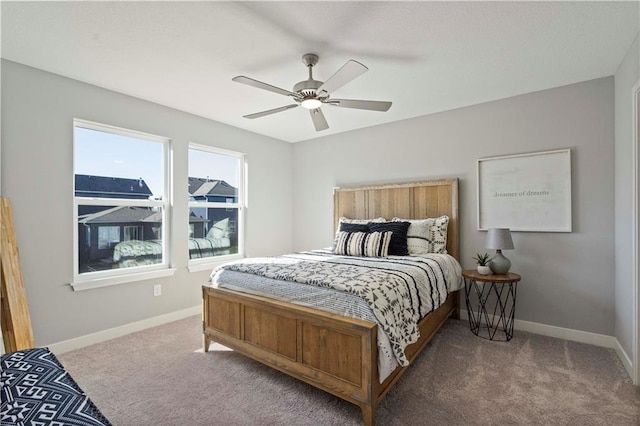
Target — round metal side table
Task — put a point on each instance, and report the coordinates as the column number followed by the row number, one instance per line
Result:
column 491, row 303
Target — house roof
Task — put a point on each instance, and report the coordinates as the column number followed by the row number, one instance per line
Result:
column 119, row 215
column 112, row 187
column 201, row 187
column 128, row 214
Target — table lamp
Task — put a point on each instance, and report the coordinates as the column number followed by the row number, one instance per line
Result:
column 499, row 239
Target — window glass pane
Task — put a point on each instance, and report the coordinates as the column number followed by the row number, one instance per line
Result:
column 127, row 167
column 215, row 232
column 213, row 177
column 133, row 233
column 108, row 236
column 112, row 237
column 108, row 165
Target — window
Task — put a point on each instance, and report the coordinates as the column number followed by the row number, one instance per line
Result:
column 216, row 203
column 121, row 203
column 133, row 233
column 108, row 236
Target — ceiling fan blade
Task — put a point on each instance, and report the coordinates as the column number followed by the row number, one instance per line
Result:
column 354, row 103
column 270, row 111
column 348, row 72
column 260, row 85
column 319, row 122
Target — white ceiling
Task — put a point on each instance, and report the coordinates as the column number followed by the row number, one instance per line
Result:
column 424, row 56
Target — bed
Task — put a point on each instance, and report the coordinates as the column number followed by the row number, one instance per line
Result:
column 333, row 352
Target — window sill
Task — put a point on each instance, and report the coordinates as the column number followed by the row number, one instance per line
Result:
column 122, row 279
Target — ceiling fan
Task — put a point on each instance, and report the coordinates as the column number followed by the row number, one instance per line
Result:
column 312, row 94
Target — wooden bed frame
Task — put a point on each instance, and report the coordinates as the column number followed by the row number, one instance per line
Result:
column 329, row 351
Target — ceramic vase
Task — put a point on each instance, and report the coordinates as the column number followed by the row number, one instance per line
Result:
column 484, row 270
column 499, row 264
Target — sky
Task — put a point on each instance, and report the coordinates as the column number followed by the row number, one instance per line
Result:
column 105, row 154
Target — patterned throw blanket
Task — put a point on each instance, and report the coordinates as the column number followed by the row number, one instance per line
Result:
column 37, row 390
column 400, row 290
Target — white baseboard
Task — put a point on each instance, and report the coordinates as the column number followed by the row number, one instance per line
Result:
column 626, row 360
column 112, row 333
column 531, row 327
column 573, row 335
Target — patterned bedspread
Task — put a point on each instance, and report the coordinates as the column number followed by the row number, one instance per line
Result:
column 36, row 390
column 399, row 290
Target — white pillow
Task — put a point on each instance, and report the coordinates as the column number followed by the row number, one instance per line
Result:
column 426, row 235
column 219, row 230
column 364, row 221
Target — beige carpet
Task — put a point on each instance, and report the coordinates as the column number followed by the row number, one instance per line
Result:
column 162, row 377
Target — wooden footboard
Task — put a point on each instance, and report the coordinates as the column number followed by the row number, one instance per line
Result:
column 334, row 353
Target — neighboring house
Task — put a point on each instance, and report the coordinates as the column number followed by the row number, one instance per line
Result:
column 109, row 187
column 215, row 191
column 99, row 232
column 100, row 228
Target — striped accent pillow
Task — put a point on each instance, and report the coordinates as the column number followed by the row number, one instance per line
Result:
column 363, row 244
column 426, row 235
column 354, row 225
column 349, row 227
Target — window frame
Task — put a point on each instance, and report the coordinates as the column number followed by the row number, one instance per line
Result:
column 96, row 279
column 201, row 264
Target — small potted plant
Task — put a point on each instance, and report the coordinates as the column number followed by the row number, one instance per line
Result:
column 483, row 263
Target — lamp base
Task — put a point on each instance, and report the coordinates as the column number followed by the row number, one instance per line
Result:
column 499, row 264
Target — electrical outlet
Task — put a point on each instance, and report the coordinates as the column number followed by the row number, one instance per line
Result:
column 157, row 290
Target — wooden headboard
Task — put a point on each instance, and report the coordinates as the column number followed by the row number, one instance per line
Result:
column 417, row 200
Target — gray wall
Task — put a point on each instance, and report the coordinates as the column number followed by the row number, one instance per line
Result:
column 626, row 77
column 567, row 277
column 37, row 175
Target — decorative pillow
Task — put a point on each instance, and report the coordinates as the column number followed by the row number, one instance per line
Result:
column 220, row 229
column 363, row 244
column 361, row 221
column 354, row 225
column 398, row 245
column 426, row 235
column 349, row 227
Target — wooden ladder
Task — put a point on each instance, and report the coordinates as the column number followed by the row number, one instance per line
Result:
column 16, row 322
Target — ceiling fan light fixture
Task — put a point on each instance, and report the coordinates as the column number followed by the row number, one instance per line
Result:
column 311, row 94
column 311, row 103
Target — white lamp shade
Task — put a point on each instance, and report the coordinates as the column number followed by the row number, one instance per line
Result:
column 499, row 239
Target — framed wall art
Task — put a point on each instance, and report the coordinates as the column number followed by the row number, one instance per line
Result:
column 526, row 192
